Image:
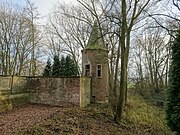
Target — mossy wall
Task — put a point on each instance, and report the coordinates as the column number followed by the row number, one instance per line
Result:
column 54, row 91
column 17, row 91
column 13, row 92
column 100, row 85
column 5, row 103
column 85, row 91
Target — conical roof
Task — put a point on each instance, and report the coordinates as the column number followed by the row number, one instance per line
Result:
column 95, row 39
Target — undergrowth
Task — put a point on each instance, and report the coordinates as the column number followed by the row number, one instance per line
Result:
column 140, row 118
column 144, row 117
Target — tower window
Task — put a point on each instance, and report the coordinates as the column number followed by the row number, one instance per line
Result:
column 87, row 70
column 99, row 71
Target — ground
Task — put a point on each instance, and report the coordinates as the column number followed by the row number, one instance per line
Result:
column 24, row 117
column 94, row 120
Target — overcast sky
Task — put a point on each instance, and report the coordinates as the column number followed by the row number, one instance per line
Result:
column 44, row 6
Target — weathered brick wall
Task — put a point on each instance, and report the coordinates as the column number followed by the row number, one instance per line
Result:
column 5, row 85
column 93, row 57
column 13, row 92
column 85, row 91
column 13, row 85
column 54, row 91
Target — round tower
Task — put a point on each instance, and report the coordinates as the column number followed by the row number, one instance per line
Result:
column 95, row 65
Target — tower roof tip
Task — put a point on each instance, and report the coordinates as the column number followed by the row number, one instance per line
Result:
column 95, row 40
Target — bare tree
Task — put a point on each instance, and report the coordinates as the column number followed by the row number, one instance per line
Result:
column 15, row 39
column 151, row 52
column 33, row 16
column 129, row 15
column 177, row 4
column 171, row 15
column 70, row 28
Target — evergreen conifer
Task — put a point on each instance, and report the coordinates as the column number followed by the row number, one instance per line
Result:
column 65, row 67
column 173, row 91
column 62, row 66
column 71, row 68
column 56, row 67
column 47, row 70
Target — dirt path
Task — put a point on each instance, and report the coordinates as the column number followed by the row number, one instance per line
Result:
column 24, row 117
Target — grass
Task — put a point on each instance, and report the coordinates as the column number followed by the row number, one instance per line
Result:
column 145, row 117
column 140, row 118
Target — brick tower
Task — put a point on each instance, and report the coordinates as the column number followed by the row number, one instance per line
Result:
column 95, row 65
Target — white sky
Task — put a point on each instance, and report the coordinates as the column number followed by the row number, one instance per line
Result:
column 44, row 6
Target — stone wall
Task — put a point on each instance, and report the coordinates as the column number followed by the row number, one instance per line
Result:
column 16, row 91
column 85, row 91
column 54, row 91
column 13, row 92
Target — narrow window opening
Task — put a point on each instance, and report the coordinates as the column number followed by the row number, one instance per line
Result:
column 87, row 70
column 99, row 71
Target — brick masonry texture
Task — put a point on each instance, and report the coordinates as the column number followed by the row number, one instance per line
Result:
column 94, row 57
column 16, row 91
column 54, row 91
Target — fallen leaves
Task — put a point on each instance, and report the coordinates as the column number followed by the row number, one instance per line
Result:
column 70, row 120
column 24, row 117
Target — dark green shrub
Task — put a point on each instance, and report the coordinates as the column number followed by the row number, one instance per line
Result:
column 173, row 91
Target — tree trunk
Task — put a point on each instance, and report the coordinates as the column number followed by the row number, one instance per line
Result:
column 123, row 82
column 123, row 79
